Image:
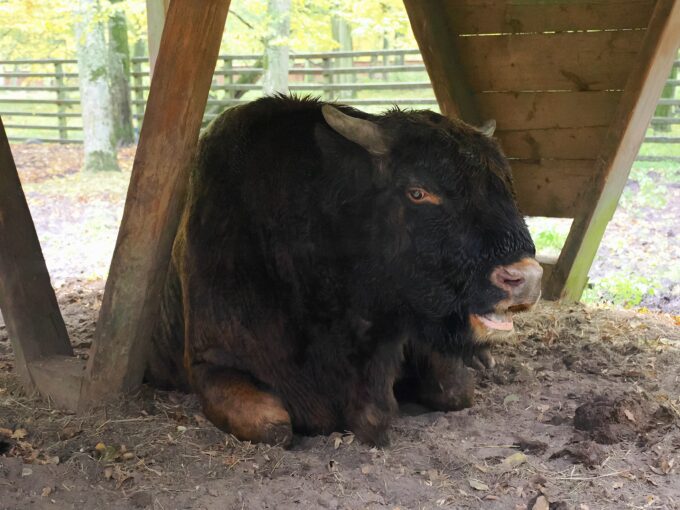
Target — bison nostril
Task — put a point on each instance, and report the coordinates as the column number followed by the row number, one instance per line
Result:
column 507, row 278
column 512, row 282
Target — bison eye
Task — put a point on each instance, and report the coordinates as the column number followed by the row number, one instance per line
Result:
column 420, row 196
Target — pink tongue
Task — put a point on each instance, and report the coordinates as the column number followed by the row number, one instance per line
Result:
column 503, row 326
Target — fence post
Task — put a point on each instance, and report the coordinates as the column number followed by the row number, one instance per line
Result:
column 228, row 78
column 61, row 96
column 327, row 78
column 137, row 91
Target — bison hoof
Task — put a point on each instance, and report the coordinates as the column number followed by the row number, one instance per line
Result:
column 277, row 434
column 371, row 425
column 481, row 359
column 453, row 399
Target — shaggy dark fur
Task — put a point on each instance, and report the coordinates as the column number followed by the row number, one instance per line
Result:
column 301, row 269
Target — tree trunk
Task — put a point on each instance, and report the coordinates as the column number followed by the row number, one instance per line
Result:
column 119, row 55
column 276, row 64
column 95, row 94
column 342, row 33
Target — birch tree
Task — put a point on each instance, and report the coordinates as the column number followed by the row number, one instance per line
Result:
column 275, row 79
column 119, row 55
column 95, row 93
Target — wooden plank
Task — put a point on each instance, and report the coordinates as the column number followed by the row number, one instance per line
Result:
column 548, row 110
column 442, row 60
column 29, row 306
column 59, row 379
column 552, row 188
column 522, row 16
column 566, row 143
column 179, row 90
column 561, row 61
column 623, row 141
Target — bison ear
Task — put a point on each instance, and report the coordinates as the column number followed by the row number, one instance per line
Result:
column 360, row 131
column 488, row 128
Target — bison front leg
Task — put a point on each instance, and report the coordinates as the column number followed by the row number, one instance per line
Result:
column 437, row 380
column 236, row 403
column 372, row 404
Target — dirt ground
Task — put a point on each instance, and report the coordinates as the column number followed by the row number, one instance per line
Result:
column 582, row 412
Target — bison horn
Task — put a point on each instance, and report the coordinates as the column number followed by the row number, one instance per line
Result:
column 488, row 127
column 360, row 131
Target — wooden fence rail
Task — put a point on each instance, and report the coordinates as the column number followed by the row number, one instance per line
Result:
column 39, row 99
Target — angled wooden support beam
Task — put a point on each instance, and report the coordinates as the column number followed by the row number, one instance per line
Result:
column 29, row 306
column 177, row 98
column 644, row 86
column 439, row 49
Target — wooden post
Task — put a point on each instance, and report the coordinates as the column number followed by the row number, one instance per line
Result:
column 229, row 78
column 439, row 50
column 61, row 96
column 29, row 306
column 327, row 78
column 138, row 85
column 623, row 141
column 177, row 99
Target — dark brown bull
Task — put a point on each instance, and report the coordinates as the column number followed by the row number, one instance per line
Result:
column 325, row 253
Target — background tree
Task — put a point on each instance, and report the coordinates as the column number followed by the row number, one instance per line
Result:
column 275, row 79
column 95, row 93
column 119, row 75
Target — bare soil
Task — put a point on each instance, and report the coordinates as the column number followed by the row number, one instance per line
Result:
column 581, row 412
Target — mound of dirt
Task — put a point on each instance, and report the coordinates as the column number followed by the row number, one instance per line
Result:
column 625, row 418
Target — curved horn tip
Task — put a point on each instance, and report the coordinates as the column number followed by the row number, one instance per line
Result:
column 360, row 131
column 488, row 128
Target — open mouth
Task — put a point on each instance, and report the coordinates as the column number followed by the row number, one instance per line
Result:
column 496, row 321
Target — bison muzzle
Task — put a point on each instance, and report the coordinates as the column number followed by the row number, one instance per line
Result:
column 327, row 256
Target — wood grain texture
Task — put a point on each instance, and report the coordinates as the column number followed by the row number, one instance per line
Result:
column 561, row 61
column 177, row 99
column 438, row 47
column 552, row 188
column 60, row 379
column 29, row 307
column 549, row 143
column 548, row 110
column 521, row 16
column 623, row 141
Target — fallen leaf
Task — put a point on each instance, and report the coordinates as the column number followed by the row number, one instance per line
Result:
column 46, row 492
column 366, row 469
column 108, row 472
column 69, row 432
column 19, row 434
column 629, row 415
column 541, row 503
column 478, row 485
column 5, row 432
column 348, row 438
column 514, row 460
column 337, row 442
column 201, row 421
column 27, row 471
column 510, row 398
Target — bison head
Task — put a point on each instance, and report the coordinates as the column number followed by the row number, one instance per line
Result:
column 442, row 227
